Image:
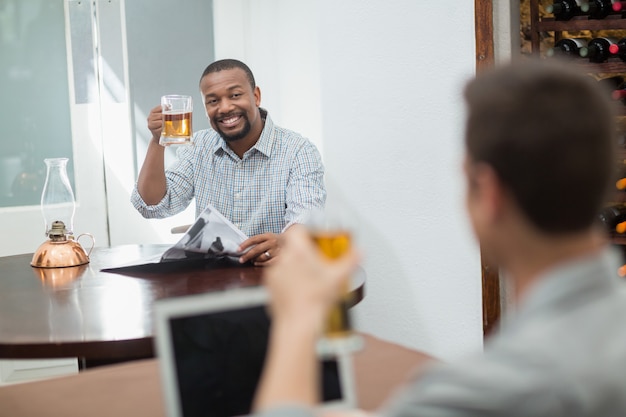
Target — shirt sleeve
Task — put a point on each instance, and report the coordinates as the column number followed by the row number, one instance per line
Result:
column 179, row 192
column 305, row 189
column 509, row 386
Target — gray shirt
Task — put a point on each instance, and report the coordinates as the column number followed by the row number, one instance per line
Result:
column 563, row 354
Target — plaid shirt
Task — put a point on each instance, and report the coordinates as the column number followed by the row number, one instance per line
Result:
column 276, row 183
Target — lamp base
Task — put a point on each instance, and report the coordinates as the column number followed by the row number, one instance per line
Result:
column 62, row 254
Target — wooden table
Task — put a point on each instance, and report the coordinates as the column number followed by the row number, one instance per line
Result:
column 134, row 389
column 83, row 312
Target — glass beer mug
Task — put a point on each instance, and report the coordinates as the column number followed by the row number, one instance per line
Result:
column 333, row 235
column 177, row 116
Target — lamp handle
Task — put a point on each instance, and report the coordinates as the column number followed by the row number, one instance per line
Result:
column 93, row 241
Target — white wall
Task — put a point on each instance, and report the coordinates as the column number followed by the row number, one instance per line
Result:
column 393, row 122
column 390, row 126
column 278, row 40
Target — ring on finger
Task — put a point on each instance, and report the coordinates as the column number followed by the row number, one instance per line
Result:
column 267, row 254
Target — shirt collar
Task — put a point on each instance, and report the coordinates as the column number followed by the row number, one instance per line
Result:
column 266, row 140
column 264, row 145
column 575, row 280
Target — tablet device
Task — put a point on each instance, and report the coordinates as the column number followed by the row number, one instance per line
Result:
column 211, row 349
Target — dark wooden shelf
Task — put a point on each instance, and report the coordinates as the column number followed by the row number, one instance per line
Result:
column 618, row 240
column 611, row 22
column 614, row 65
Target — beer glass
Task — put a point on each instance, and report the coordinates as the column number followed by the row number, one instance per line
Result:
column 177, row 114
column 332, row 234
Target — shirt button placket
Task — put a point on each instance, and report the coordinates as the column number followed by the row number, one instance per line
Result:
column 238, row 209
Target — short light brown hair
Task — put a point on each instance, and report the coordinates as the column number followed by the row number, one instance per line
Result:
column 549, row 133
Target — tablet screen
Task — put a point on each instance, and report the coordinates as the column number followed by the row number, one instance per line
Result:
column 219, row 357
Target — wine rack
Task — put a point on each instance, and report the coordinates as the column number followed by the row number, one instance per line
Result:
column 614, row 22
column 614, row 25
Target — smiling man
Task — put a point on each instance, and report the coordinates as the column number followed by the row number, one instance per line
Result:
column 262, row 177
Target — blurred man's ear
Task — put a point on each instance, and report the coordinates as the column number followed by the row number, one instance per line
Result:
column 489, row 192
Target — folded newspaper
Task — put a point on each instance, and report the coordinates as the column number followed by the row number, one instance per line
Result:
column 211, row 236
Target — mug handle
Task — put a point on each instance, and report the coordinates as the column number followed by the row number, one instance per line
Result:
column 93, row 241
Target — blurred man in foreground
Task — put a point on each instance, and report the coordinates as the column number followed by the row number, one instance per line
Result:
column 539, row 158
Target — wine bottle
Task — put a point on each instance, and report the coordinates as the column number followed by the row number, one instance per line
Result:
column 599, row 9
column 620, row 93
column 619, row 49
column 566, row 9
column 610, row 85
column 619, row 6
column 567, row 47
column 598, row 49
column 612, row 216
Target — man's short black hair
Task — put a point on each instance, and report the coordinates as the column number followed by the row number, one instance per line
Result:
column 549, row 133
column 227, row 64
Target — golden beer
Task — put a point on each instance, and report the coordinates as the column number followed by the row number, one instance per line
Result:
column 177, row 114
column 176, row 127
column 333, row 244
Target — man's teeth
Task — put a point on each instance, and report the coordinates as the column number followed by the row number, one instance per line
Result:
column 230, row 120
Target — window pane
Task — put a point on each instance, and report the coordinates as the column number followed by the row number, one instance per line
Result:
column 34, row 103
column 180, row 47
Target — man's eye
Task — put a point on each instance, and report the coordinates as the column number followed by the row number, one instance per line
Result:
column 236, row 95
column 211, row 102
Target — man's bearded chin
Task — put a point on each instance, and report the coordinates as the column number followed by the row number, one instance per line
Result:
column 236, row 136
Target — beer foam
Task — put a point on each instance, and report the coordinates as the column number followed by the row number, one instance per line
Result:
column 176, row 112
